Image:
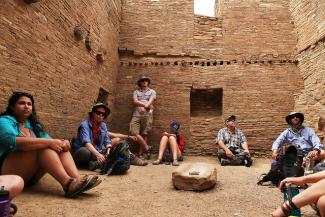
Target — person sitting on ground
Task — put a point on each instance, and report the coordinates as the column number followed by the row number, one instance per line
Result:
column 303, row 138
column 28, row 151
column 93, row 142
column 171, row 142
column 315, row 194
column 142, row 117
column 233, row 147
column 15, row 185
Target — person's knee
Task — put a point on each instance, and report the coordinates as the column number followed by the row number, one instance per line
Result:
column 82, row 155
column 18, row 184
column 321, row 203
column 116, row 141
column 172, row 139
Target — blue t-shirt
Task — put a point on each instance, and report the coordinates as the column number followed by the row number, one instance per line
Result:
column 9, row 130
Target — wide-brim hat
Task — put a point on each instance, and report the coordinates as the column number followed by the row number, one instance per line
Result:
column 297, row 114
column 143, row 78
column 103, row 105
column 231, row 118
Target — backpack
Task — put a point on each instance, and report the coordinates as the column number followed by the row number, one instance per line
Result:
column 118, row 160
column 288, row 164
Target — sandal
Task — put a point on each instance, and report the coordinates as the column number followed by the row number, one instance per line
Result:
column 80, row 185
column 157, row 162
column 285, row 209
column 94, row 181
column 13, row 209
column 175, row 163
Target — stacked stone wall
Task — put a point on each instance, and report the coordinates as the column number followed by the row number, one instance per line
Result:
column 309, row 19
column 259, row 94
column 40, row 54
column 248, row 50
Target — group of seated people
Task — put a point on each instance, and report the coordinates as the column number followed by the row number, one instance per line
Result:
column 233, row 150
column 27, row 151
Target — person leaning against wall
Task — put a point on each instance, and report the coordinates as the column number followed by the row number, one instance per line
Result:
column 233, row 147
column 28, row 151
column 141, row 122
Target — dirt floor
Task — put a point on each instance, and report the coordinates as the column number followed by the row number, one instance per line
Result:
column 148, row 191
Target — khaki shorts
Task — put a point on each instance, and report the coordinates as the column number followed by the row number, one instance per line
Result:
column 141, row 125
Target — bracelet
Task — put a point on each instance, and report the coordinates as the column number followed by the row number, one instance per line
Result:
column 128, row 136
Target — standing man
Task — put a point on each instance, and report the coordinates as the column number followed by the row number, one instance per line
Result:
column 233, row 148
column 141, row 122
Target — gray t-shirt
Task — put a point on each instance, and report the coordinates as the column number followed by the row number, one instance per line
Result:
column 143, row 97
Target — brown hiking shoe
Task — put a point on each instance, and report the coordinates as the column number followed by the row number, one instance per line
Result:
column 137, row 161
column 147, row 153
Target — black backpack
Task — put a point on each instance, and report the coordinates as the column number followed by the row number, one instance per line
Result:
column 118, row 160
column 289, row 164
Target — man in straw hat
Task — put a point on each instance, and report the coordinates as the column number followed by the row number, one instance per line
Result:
column 233, row 145
column 141, row 122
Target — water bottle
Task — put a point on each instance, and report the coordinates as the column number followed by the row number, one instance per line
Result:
column 4, row 202
column 309, row 165
column 289, row 192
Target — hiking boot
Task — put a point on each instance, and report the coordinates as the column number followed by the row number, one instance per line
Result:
column 224, row 162
column 147, row 153
column 137, row 161
column 175, row 163
column 93, row 165
column 248, row 162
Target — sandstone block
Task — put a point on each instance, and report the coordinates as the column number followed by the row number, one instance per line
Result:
column 195, row 176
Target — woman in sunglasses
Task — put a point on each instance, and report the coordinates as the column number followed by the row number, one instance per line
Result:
column 28, row 151
column 171, row 143
column 92, row 144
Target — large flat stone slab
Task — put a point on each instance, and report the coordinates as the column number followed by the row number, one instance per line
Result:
column 195, row 176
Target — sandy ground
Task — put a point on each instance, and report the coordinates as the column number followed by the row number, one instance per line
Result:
column 148, row 191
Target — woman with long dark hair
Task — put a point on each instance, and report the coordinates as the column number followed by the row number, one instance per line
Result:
column 28, row 151
column 173, row 143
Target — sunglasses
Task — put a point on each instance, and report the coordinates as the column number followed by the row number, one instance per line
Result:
column 100, row 113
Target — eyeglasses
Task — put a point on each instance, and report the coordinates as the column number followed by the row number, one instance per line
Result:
column 100, row 113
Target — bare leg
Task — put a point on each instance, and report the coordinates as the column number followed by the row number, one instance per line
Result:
column 176, row 153
column 162, row 149
column 321, row 205
column 115, row 141
column 310, row 195
column 142, row 142
column 47, row 158
column 69, row 165
column 12, row 183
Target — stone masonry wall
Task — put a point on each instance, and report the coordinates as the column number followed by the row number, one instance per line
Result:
column 259, row 94
column 309, row 19
column 248, row 50
column 39, row 54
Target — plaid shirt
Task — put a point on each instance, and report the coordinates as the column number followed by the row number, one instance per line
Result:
column 234, row 140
